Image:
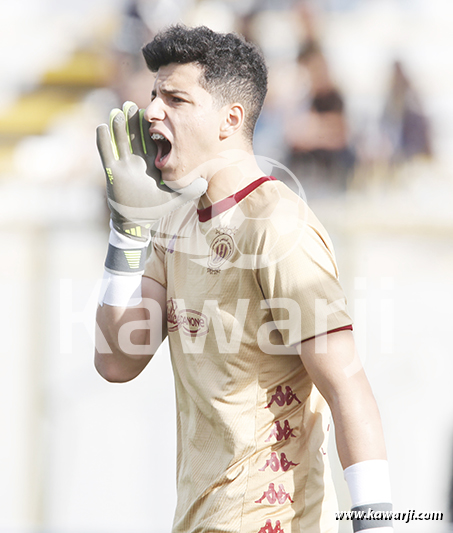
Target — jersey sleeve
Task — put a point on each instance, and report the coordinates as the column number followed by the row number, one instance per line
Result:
column 301, row 286
column 155, row 264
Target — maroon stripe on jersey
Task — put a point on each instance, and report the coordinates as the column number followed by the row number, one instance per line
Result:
column 223, row 205
column 343, row 328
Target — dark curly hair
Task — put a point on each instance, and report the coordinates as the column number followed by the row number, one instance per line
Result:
column 234, row 70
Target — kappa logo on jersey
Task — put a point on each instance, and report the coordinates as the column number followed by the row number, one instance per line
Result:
column 275, row 463
column 269, row 529
column 280, row 432
column 192, row 323
column 281, row 398
column 221, row 249
column 272, row 496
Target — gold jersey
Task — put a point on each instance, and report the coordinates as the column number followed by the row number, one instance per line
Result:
column 246, row 280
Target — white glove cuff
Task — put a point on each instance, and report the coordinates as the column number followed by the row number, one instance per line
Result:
column 125, row 256
column 119, row 240
column 122, row 282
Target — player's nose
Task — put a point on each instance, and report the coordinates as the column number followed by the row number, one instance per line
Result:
column 155, row 110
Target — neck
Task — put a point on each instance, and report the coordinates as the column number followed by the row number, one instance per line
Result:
column 238, row 170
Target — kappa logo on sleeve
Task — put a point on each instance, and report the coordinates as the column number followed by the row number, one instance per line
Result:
column 191, row 322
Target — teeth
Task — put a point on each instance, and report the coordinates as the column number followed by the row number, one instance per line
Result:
column 158, row 137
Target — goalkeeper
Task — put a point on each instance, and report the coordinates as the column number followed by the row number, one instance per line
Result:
column 248, row 294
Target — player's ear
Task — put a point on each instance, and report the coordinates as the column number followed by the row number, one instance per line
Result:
column 232, row 120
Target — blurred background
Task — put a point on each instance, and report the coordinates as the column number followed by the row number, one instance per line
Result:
column 360, row 109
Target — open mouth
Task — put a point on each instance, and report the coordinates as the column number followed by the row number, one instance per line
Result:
column 163, row 149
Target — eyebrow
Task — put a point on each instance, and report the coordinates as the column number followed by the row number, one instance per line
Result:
column 171, row 92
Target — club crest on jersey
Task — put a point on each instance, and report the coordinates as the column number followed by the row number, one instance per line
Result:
column 221, row 249
column 191, row 322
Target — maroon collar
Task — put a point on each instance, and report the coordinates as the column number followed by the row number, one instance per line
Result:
column 223, row 205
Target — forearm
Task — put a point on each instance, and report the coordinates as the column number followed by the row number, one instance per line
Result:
column 131, row 340
column 339, row 376
column 358, row 427
column 361, row 448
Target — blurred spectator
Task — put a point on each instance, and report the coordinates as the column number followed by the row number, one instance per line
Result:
column 303, row 123
column 405, row 127
column 317, row 131
column 315, row 128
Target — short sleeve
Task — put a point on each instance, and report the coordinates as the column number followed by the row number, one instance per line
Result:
column 302, row 288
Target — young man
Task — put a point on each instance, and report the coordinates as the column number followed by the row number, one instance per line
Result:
column 244, row 282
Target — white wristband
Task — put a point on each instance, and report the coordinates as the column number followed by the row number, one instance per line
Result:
column 369, row 487
column 368, row 482
column 120, row 291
